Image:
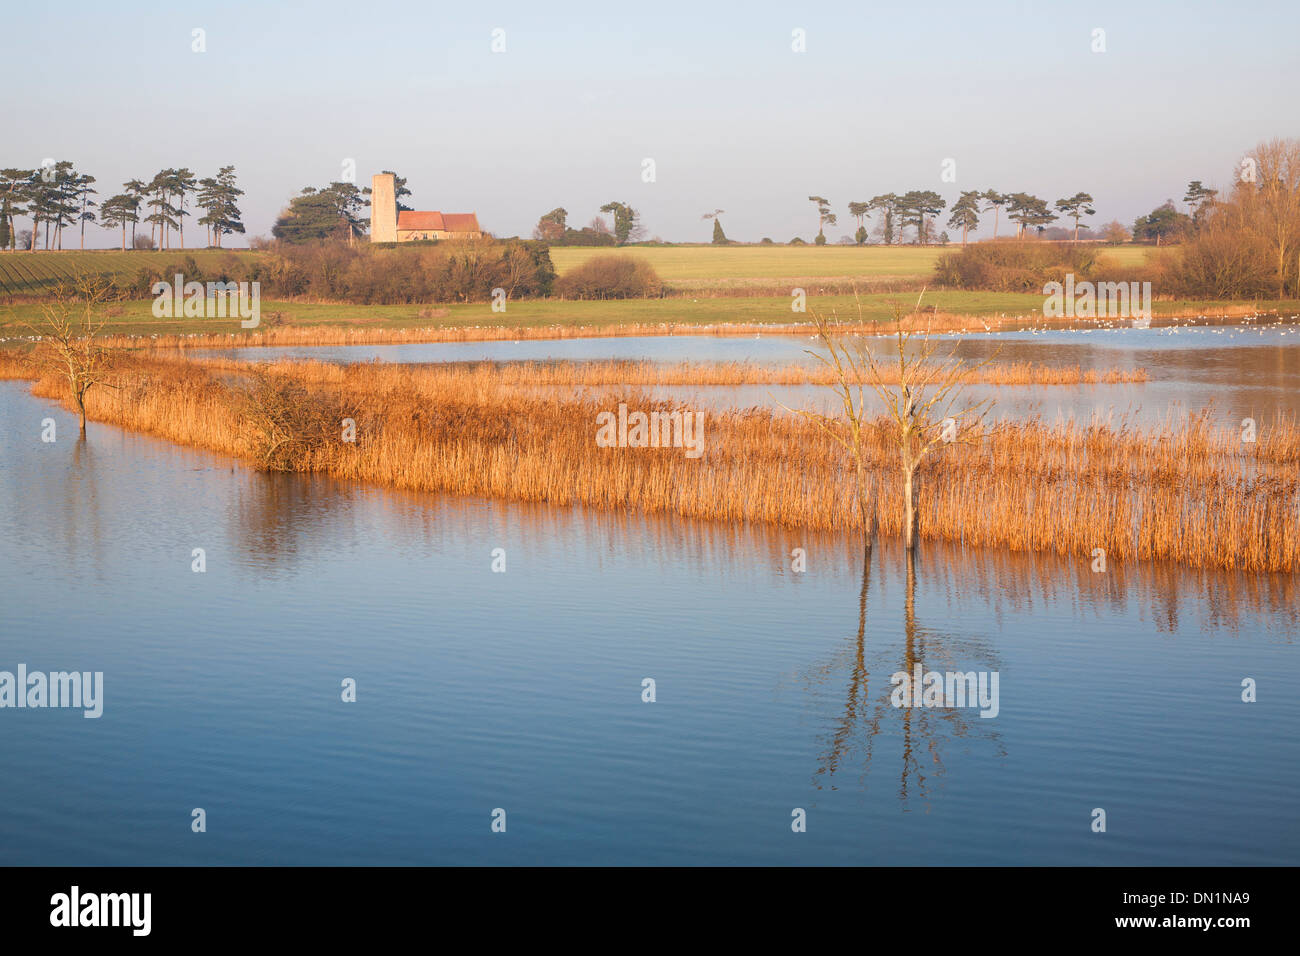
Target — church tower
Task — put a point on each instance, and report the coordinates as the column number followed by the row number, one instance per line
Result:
column 383, row 208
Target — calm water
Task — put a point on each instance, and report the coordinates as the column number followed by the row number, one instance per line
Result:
column 1236, row 370
column 522, row 690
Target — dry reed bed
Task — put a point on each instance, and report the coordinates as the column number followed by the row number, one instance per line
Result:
column 343, row 335
column 591, row 374
column 1188, row 493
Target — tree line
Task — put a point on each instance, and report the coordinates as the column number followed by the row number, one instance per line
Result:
column 1241, row 244
column 56, row 196
column 919, row 209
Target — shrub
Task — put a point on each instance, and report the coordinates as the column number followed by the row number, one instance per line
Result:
column 1221, row 263
column 610, row 277
column 1015, row 266
column 459, row 271
column 283, row 424
column 587, row 236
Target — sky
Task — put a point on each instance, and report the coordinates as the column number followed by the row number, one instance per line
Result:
column 714, row 94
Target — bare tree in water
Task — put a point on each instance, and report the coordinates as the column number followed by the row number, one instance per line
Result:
column 921, row 395
column 68, row 329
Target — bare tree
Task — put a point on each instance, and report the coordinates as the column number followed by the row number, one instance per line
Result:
column 71, row 319
column 1272, row 207
column 921, row 400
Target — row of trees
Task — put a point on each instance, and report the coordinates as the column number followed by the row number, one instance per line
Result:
column 56, row 196
column 1239, row 246
column 553, row 227
column 918, row 209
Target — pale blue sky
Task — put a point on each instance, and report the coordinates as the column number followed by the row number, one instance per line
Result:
column 732, row 117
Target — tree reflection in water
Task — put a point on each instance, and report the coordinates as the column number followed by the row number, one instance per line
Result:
column 922, row 732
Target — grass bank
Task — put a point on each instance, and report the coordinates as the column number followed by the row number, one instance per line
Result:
column 316, row 323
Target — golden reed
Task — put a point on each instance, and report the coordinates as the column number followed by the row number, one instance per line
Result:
column 608, row 372
column 1186, row 492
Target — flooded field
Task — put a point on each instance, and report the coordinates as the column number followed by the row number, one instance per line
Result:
column 523, row 689
column 1238, row 370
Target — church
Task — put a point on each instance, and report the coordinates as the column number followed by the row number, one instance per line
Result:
column 387, row 224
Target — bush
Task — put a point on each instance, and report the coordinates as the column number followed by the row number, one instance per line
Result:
column 1221, row 263
column 282, row 424
column 611, row 277
column 587, row 236
column 796, row 241
column 456, row 271
column 1015, row 266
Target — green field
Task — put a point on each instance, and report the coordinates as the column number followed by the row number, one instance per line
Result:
column 1126, row 255
column 24, row 273
column 28, row 273
column 135, row 318
column 766, row 262
column 780, row 262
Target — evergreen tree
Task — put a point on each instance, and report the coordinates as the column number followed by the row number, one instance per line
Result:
column 316, row 214
column 1080, row 204
column 719, row 237
column 217, row 197
column 996, row 201
column 824, row 217
column 965, row 213
column 625, row 220
column 915, row 205
column 887, row 205
column 83, row 194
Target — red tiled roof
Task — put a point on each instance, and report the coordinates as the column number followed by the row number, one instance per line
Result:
column 409, row 220
column 461, row 222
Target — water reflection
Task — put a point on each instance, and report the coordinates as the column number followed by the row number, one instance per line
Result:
column 921, row 733
column 523, row 688
column 1241, row 369
column 279, row 520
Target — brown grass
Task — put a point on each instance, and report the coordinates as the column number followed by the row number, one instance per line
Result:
column 1185, row 492
column 645, row 373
